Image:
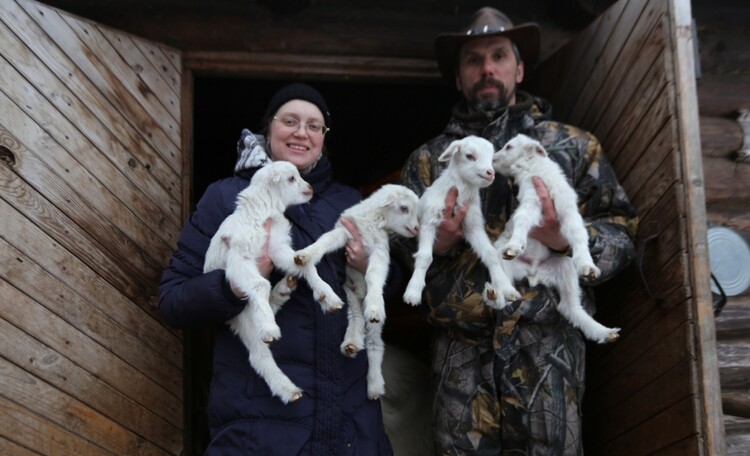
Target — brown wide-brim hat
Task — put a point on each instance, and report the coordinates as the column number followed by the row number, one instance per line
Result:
column 486, row 22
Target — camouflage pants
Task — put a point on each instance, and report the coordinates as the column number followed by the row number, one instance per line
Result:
column 520, row 401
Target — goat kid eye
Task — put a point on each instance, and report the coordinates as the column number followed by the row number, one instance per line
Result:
column 404, row 209
column 471, row 157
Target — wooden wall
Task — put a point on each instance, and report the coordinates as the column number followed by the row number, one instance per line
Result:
column 91, row 202
column 629, row 78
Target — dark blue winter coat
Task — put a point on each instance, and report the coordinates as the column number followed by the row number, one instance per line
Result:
column 334, row 417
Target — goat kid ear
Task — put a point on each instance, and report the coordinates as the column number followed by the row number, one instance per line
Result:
column 453, row 148
column 540, row 151
column 276, row 177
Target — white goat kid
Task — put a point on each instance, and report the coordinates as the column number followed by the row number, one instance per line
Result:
column 469, row 169
column 522, row 158
column 391, row 210
column 235, row 248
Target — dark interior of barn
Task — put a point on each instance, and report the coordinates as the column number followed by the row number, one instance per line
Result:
column 374, row 126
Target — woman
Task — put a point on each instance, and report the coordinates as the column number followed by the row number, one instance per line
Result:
column 334, row 416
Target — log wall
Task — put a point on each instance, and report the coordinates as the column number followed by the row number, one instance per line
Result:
column 723, row 90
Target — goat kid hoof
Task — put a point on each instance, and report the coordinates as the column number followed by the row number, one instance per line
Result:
column 510, row 254
column 590, row 272
column 512, row 295
column 412, row 298
column 300, row 260
column 295, row 396
column 291, row 282
column 613, row 336
column 351, row 350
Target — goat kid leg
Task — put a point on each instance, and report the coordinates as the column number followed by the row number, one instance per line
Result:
column 328, row 242
column 323, row 293
column 422, row 261
column 500, row 291
column 281, row 292
column 375, row 352
column 375, row 277
column 574, row 230
column 527, row 215
column 261, row 360
column 561, row 274
column 354, row 339
column 243, row 273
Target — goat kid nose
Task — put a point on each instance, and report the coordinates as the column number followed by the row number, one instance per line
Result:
column 490, row 174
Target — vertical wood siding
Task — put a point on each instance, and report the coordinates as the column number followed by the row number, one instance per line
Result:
column 628, row 78
column 90, row 207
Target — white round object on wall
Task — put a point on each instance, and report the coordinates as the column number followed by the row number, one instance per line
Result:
column 729, row 256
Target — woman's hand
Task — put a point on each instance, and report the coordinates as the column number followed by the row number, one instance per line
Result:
column 450, row 231
column 548, row 233
column 355, row 250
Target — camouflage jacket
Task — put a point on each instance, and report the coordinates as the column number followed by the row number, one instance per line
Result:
column 455, row 281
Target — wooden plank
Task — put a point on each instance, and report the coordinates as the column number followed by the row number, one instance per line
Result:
column 569, row 56
column 638, row 16
column 296, row 66
column 150, row 79
column 734, row 319
column 657, row 156
column 636, row 62
column 123, row 264
column 23, row 273
column 104, row 60
column 31, row 355
column 726, row 184
column 579, row 74
column 651, row 116
column 709, row 414
column 667, row 428
column 9, row 448
column 660, row 184
column 720, row 137
column 37, row 434
column 736, row 404
column 97, row 199
column 165, row 61
column 34, row 34
column 664, row 392
column 34, row 243
column 691, row 446
column 620, row 125
column 67, row 340
column 43, row 400
column 79, row 131
column 642, row 343
column 723, row 94
column 733, row 352
column 737, row 435
column 73, row 94
column 640, row 304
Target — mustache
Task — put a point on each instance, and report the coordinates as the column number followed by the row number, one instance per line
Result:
column 488, row 81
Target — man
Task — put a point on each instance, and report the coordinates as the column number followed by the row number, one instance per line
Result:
column 510, row 382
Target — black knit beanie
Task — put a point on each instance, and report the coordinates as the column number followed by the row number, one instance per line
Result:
column 296, row 91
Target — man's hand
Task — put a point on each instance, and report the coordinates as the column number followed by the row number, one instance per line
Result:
column 548, row 233
column 355, row 252
column 450, row 231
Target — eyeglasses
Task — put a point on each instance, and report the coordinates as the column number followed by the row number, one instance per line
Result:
column 292, row 124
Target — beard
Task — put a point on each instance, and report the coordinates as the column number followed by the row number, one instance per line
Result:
column 490, row 102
